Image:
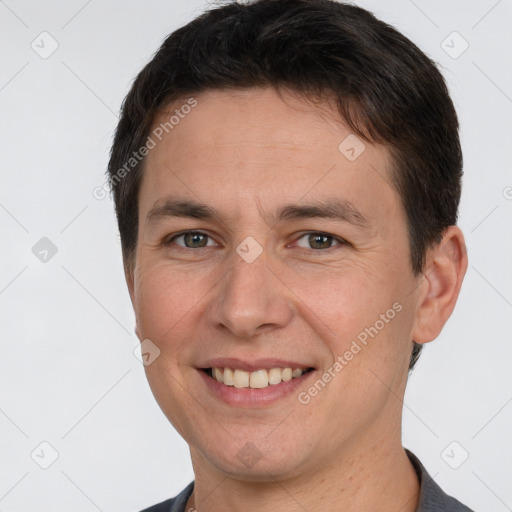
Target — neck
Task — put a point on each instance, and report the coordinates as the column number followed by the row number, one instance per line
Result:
column 379, row 477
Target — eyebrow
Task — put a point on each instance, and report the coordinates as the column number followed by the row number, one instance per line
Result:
column 335, row 209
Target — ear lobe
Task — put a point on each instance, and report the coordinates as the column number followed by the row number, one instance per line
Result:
column 445, row 269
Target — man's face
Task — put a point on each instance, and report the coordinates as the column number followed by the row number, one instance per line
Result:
column 273, row 291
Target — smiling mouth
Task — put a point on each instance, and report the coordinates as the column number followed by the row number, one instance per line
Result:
column 257, row 379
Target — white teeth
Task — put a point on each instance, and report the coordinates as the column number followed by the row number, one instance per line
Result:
column 274, row 376
column 217, row 373
column 286, row 374
column 227, row 376
column 241, row 379
column 257, row 379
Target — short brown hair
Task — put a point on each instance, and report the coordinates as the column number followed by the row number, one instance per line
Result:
column 386, row 90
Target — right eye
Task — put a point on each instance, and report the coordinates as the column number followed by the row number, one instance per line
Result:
column 191, row 240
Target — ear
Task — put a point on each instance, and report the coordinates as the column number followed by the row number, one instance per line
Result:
column 446, row 265
column 130, row 282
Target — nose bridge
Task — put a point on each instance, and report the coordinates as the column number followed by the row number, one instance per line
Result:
column 250, row 298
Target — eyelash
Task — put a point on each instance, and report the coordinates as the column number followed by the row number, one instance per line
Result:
column 340, row 241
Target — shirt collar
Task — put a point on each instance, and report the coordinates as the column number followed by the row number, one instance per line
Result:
column 431, row 499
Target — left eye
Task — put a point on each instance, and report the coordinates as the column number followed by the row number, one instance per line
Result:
column 319, row 240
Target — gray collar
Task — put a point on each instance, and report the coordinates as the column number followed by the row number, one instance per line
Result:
column 432, row 498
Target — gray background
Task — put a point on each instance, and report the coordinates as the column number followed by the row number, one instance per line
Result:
column 68, row 374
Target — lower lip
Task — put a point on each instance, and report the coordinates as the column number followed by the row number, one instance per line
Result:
column 249, row 397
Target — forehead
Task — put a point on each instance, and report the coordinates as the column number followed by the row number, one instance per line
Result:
column 253, row 118
column 253, row 146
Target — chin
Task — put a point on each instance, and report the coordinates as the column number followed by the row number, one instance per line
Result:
column 250, row 462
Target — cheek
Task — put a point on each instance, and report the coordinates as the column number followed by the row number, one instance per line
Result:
column 363, row 319
column 343, row 302
column 166, row 301
column 154, row 296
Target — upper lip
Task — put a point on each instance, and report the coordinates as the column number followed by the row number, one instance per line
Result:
column 252, row 365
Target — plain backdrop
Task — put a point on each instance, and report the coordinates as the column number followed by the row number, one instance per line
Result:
column 69, row 378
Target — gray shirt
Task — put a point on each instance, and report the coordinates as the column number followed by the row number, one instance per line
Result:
column 432, row 498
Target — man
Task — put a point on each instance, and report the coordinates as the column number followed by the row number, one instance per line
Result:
column 286, row 177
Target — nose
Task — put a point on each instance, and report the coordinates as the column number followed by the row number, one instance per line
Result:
column 251, row 299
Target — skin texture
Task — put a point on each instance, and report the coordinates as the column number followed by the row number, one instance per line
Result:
column 246, row 153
